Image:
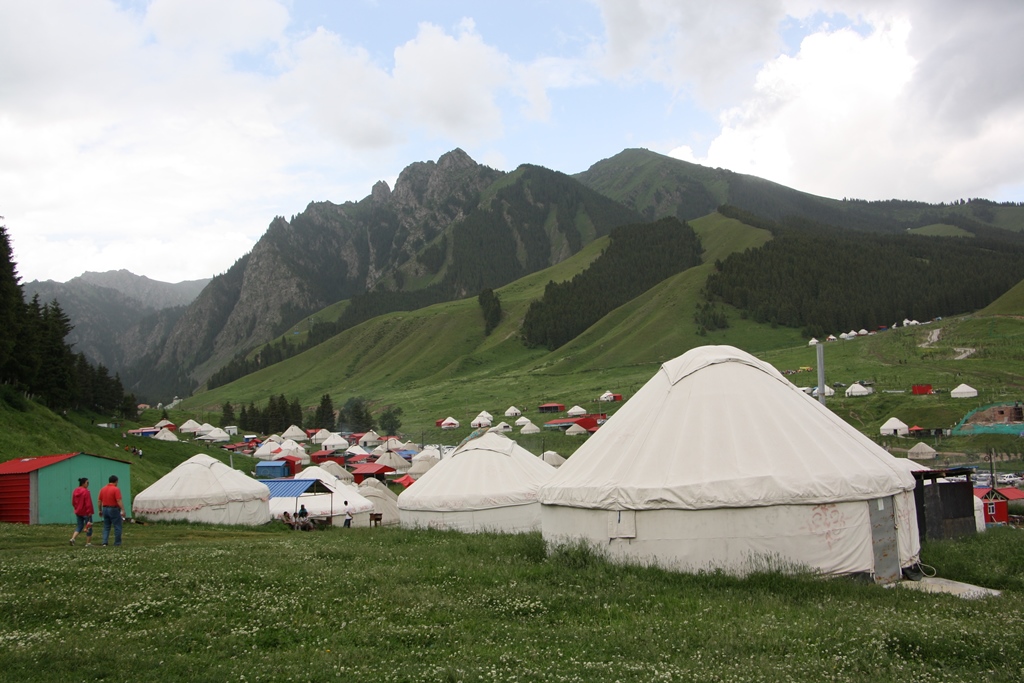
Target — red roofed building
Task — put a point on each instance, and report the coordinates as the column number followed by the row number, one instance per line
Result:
column 365, row 470
column 996, row 503
column 38, row 490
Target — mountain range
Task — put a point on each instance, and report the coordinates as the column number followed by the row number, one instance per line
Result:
column 446, row 231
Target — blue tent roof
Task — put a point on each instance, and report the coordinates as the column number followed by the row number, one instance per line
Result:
column 290, row 488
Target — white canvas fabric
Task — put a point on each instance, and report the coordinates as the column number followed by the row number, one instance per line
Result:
column 489, row 483
column 576, row 430
column 216, row 435
column 450, row 423
column 165, row 434
column 163, row 423
column 393, row 459
column 719, row 460
column 552, row 458
column 266, row 450
column 420, row 467
column 370, row 439
column 338, row 471
column 530, row 428
column 321, row 436
column 203, row 489
column 335, row 442
column 857, row 390
column 384, row 505
column 357, row 450
column 513, row 412
column 480, row 422
column 502, row 427
column 522, row 421
column 607, row 396
column 812, row 342
column 576, row 411
column 295, row 433
column 921, row 451
column 894, row 426
column 204, row 428
column 275, row 438
column 428, row 453
column 374, row 483
column 487, row 416
column 189, row 427
column 964, row 391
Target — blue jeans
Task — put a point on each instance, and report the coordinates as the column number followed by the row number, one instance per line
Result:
column 82, row 523
column 112, row 516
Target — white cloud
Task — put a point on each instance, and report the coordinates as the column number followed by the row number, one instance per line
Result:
column 862, row 115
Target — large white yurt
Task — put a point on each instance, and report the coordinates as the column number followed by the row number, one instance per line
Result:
column 576, row 411
column 215, row 435
column 513, row 412
column 529, row 428
column 189, row 427
column 203, row 489
column 522, row 420
column 489, row 483
column 321, row 436
column 964, row 391
column 719, row 461
column 335, row 442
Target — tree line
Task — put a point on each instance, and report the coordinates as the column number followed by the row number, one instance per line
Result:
column 827, row 280
column 637, row 257
column 355, row 415
column 35, row 360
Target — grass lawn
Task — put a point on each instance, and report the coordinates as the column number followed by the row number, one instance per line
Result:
column 191, row 603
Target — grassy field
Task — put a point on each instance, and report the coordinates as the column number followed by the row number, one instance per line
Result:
column 192, row 603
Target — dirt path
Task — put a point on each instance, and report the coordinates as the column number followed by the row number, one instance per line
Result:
column 962, row 353
column 933, row 336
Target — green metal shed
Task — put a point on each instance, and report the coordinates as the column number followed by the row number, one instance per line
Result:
column 38, row 490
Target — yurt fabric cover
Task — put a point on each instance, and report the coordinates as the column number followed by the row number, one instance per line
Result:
column 719, row 462
column 203, row 489
column 489, row 483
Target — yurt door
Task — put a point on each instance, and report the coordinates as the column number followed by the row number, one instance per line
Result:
column 884, row 540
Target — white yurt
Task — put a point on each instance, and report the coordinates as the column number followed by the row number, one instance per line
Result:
column 268, row 450
column 356, row 450
column 576, row 430
column 370, row 439
column 921, row 451
column 480, row 422
column 420, row 467
column 383, row 504
column 290, row 447
column 552, row 458
column 338, row 471
column 522, row 421
column 373, row 483
column 215, row 435
column 165, row 434
column 502, row 427
column 335, row 442
column 393, row 460
column 204, row 428
column 812, row 342
column 530, row 428
column 321, row 436
column 489, row 483
column 189, row 427
column 858, row 390
column 428, row 453
column 205, row 490
column 894, row 427
column 331, row 504
column 720, row 462
column 163, row 423
column 411, row 446
column 449, row 423
column 513, row 412
column 964, row 391
column 829, row 391
column 606, row 396
column 275, row 438
column 295, row 433
column 576, row 411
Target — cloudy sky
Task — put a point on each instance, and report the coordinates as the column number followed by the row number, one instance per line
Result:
column 163, row 136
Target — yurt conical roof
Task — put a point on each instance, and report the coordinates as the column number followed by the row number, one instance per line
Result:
column 718, row 428
column 489, row 471
column 337, row 470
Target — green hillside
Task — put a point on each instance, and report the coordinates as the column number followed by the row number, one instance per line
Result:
column 1011, row 303
column 37, row 431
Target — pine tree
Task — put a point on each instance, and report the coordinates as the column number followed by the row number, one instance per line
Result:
column 11, row 309
column 227, row 414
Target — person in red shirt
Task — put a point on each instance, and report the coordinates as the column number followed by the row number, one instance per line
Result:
column 81, row 501
column 112, row 509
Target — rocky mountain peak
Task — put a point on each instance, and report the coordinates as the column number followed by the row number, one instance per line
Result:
column 380, row 192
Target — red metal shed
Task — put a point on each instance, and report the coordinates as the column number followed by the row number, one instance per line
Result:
column 551, row 408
